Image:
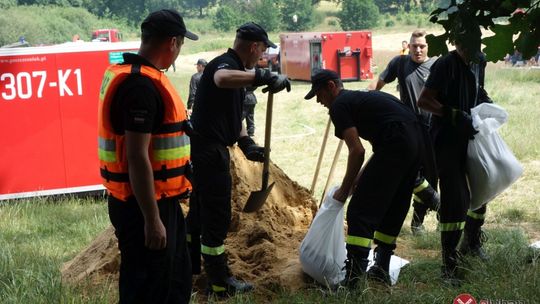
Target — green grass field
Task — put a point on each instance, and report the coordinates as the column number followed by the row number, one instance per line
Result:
column 38, row 235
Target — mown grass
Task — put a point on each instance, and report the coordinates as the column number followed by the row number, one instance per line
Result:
column 36, row 237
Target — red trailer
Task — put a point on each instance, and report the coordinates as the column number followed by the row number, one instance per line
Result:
column 48, row 116
column 347, row 53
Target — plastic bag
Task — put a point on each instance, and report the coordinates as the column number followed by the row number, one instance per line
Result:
column 322, row 252
column 491, row 166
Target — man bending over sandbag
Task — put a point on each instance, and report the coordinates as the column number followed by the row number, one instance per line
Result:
column 381, row 194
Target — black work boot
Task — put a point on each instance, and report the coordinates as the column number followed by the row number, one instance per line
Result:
column 473, row 240
column 355, row 265
column 450, row 257
column 429, row 197
column 220, row 280
column 449, row 273
column 419, row 213
column 381, row 270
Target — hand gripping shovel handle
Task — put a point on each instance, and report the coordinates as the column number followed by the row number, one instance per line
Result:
column 257, row 198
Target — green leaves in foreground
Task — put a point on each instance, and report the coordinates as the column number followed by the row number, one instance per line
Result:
column 462, row 21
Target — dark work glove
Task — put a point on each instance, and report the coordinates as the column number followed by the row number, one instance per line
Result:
column 188, row 128
column 281, row 82
column 275, row 82
column 460, row 120
column 250, row 149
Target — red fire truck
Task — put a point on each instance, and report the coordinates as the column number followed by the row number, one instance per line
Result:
column 106, row 35
column 347, row 53
column 48, row 116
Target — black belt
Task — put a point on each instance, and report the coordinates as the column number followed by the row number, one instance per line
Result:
column 162, row 174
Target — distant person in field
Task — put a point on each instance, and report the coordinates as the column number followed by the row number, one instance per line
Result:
column 454, row 87
column 144, row 162
column 194, row 83
column 382, row 190
column 404, row 48
column 411, row 72
column 248, row 113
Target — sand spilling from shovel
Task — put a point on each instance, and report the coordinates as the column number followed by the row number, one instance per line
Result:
column 262, row 246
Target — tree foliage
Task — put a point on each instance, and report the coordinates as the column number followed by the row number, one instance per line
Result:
column 302, row 9
column 227, row 18
column 462, row 21
column 267, row 14
column 358, row 14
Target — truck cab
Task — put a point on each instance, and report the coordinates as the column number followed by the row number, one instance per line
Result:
column 106, row 35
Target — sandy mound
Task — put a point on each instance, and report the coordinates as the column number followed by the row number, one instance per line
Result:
column 262, row 246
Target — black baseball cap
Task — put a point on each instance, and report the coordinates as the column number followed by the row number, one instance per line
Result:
column 251, row 31
column 318, row 79
column 166, row 23
column 201, row 62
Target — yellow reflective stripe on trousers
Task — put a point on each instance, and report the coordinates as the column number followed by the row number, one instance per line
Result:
column 421, row 187
column 359, row 241
column 188, row 238
column 451, row 226
column 417, row 199
column 385, row 238
column 172, row 154
column 216, row 288
column 476, row 216
column 212, row 250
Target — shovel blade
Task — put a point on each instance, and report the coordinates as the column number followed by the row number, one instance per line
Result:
column 256, row 199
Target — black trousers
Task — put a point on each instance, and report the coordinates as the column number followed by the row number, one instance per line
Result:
column 151, row 276
column 212, row 184
column 248, row 113
column 382, row 197
column 451, row 154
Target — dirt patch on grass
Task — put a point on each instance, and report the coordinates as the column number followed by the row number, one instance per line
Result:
column 262, row 246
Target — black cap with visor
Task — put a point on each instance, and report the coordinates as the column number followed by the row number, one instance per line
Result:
column 251, row 31
column 319, row 79
column 166, row 23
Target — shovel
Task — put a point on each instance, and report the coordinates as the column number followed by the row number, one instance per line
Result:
column 321, row 154
column 257, row 198
column 332, row 169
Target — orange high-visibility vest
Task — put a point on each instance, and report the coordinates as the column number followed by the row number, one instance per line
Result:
column 169, row 149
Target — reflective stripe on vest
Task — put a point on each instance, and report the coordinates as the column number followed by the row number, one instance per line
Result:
column 169, row 148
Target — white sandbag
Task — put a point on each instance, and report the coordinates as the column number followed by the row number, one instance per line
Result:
column 396, row 263
column 322, row 252
column 491, row 165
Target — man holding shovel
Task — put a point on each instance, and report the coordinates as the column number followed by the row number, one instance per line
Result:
column 381, row 195
column 217, row 122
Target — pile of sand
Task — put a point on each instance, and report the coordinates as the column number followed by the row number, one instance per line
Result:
column 262, row 246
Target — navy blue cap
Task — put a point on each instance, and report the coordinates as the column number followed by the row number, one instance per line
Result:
column 201, row 62
column 319, row 79
column 166, row 23
column 251, row 31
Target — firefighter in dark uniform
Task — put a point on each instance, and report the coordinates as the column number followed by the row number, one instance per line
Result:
column 144, row 162
column 217, row 122
column 381, row 193
column 411, row 72
column 455, row 85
